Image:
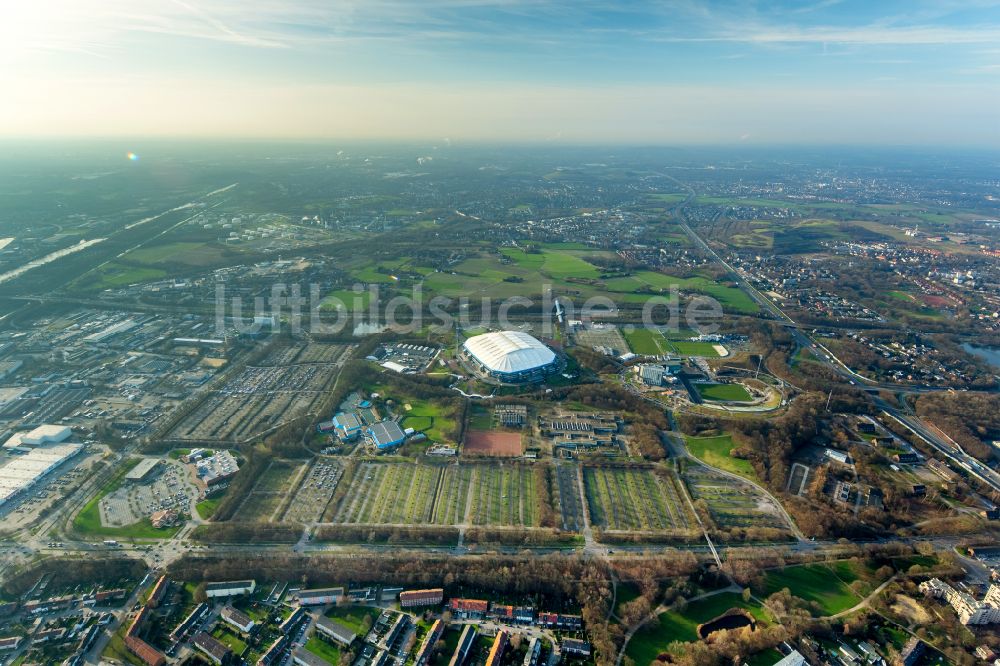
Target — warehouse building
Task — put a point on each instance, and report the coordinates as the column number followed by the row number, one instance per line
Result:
column 386, row 434
column 40, row 436
column 510, row 356
column 19, row 475
column 348, row 425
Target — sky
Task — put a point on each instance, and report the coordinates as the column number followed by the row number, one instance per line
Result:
column 845, row 72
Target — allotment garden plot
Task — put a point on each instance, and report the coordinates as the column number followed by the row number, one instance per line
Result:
column 732, row 503
column 567, row 497
column 263, row 502
column 453, row 494
column 262, row 397
column 392, row 493
column 627, row 499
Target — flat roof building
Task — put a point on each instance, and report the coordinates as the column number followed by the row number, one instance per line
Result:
column 414, row 598
column 142, row 470
column 386, row 434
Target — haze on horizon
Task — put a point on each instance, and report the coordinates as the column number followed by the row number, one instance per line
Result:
column 923, row 72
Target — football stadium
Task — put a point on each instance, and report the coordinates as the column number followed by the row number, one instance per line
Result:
column 510, row 356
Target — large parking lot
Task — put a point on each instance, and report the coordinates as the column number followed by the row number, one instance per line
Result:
column 315, row 492
column 167, row 487
column 287, row 383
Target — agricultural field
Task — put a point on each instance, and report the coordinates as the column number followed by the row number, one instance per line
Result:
column 315, row 491
column 633, row 499
column 567, row 497
column 715, row 451
column 732, row 504
column 503, row 495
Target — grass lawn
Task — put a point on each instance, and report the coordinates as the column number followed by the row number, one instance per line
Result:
column 695, row 348
column 230, row 639
column 206, row 508
column 646, row 341
column 715, row 452
column 324, row 650
column 825, row 584
column 352, row 617
column 654, row 638
column 724, row 392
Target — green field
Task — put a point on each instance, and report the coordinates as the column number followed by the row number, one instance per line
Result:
column 428, row 418
column 724, row 392
column 206, row 508
column 323, row 650
column 646, row 342
column 824, row 584
column 655, row 638
column 715, row 452
column 353, row 617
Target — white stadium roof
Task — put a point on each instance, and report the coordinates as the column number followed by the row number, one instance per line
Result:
column 509, row 352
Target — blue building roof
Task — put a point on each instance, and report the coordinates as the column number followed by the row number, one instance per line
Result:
column 348, row 422
column 386, row 433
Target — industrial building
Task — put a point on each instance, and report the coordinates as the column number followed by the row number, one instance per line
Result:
column 510, row 356
column 386, row 434
column 43, row 434
column 20, row 474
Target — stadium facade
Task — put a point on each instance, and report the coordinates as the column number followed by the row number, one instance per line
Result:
column 510, row 356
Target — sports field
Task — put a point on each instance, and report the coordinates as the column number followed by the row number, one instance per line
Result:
column 492, row 443
column 651, row 342
column 724, row 392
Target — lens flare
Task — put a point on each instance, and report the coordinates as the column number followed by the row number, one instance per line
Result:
column 132, row 156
